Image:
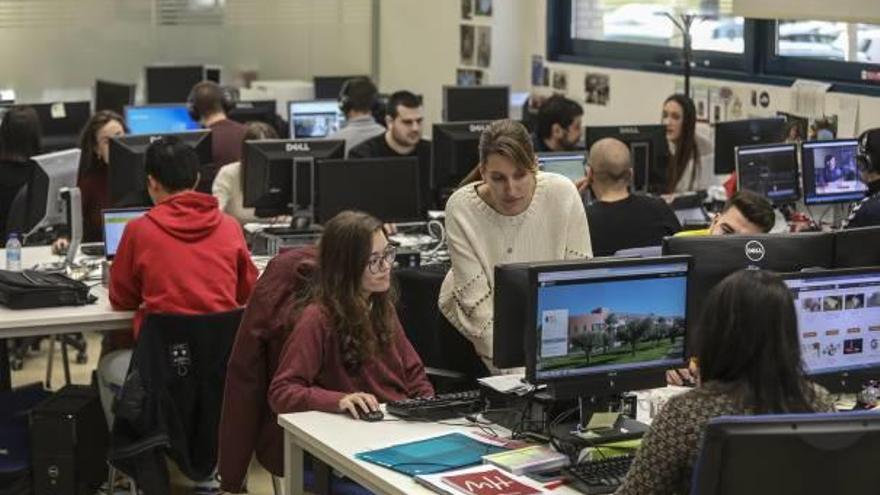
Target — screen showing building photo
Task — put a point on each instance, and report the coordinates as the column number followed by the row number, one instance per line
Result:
column 629, row 318
column 843, row 331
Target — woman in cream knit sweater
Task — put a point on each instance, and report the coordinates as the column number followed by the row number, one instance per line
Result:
column 507, row 212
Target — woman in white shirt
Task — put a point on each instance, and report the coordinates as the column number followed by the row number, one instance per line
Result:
column 506, row 211
column 691, row 165
column 228, row 185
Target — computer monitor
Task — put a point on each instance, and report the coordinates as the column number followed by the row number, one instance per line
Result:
column 770, row 170
column 270, row 183
column 158, row 119
column 595, row 328
column 255, row 111
column 113, row 96
column 127, row 180
column 329, row 87
column 791, row 454
column 58, row 170
column 857, row 247
column 172, row 83
column 115, row 220
column 729, row 135
column 830, row 172
column 649, row 149
column 717, row 256
column 454, row 152
column 387, row 188
column 468, row 103
column 838, row 315
column 565, row 163
column 314, row 118
column 62, row 122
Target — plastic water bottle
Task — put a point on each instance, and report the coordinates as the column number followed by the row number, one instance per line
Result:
column 13, row 253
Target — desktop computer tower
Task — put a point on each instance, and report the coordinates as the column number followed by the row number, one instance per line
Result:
column 69, row 442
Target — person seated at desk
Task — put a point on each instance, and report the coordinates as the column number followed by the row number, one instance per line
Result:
column 228, row 186
column 618, row 219
column 506, row 211
column 357, row 100
column 691, row 165
column 208, row 105
column 559, row 125
column 866, row 213
column 749, row 364
column 744, row 213
column 347, row 351
column 20, row 138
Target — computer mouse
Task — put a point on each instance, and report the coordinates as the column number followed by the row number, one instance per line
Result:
column 372, row 416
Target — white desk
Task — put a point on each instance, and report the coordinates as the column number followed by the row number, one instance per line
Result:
column 335, row 438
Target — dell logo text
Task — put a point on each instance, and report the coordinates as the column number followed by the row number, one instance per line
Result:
column 755, row 251
column 296, row 147
column 477, row 127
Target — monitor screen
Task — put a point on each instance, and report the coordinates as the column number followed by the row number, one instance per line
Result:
column 114, row 224
column 857, row 247
column 830, row 172
column 329, row 87
column 170, row 83
column 454, row 152
column 387, row 188
column 570, row 165
column 611, row 318
column 467, row 103
column 113, row 96
column 769, row 170
column 315, row 118
column 838, row 316
column 649, row 149
column 153, row 119
column 729, row 135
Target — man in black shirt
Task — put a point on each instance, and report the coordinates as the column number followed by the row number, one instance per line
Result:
column 558, row 125
column 866, row 213
column 403, row 120
column 620, row 220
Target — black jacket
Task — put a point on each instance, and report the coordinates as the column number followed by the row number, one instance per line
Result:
column 866, row 213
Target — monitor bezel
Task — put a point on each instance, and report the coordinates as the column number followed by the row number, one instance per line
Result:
column 824, row 199
column 792, row 149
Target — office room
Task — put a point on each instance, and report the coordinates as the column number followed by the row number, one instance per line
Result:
column 439, row 246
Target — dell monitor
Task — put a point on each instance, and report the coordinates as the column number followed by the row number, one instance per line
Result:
column 649, row 149
column 454, row 152
column 314, row 118
column 61, row 123
column 127, row 176
column 387, row 188
column 279, row 175
column 595, row 328
column 729, row 135
column 56, row 171
column 329, row 87
column 113, row 96
column 566, row 163
column 838, row 315
column 717, row 256
column 468, row 103
column 114, row 222
column 159, row 119
column 830, row 172
column 770, row 170
column 171, row 83
column 857, row 247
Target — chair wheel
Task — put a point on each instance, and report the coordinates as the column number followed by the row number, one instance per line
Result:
column 16, row 364
column 82, row 358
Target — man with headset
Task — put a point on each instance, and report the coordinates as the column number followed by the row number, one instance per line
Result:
column 208, row 105
column 357, row 100
column 866, row 213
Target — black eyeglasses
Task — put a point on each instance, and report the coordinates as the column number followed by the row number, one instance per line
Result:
column 387, row 256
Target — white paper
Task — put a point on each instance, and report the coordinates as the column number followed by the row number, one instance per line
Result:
column 58, row 111
column 808, row 98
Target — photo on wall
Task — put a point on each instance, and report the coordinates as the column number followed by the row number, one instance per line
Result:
column 468, row 77
column 596, row 89
column 560, row 80
column 538, row 71
column 466, row 49
column 467, row 9
column 484, row 7
column 484, row 46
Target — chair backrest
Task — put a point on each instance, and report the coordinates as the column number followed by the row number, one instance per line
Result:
column 792, row 454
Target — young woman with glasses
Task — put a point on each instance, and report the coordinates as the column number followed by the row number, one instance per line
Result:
column 348, row 351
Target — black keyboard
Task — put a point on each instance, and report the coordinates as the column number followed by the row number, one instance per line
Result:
column 599, row 475
column 441, row 267
column 439, row 407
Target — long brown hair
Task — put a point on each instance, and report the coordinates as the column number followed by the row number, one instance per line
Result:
column 509, row 139
column 254, row 131
column 685, row 145
column 88, row 140
column 363, row 325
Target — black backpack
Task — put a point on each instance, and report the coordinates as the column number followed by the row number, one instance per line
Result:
column 31, row 289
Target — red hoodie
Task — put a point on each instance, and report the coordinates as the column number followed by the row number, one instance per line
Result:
column 184, row 256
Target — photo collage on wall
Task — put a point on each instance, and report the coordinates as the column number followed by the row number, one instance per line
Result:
column 475, row 43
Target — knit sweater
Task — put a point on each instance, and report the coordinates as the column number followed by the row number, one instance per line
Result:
column 553, row 227
column 666, row 458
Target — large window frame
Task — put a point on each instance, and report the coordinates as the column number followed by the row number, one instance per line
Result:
column 758, row 62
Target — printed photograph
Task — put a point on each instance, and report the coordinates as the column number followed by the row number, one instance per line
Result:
column 596, row 89
column 484, row 7
column 467, row 9
column 469, row 77
column 466, row 49
column 484, row 46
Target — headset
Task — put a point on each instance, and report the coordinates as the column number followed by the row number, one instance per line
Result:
column 868, row 158
column 345, row 97
column 227, row 96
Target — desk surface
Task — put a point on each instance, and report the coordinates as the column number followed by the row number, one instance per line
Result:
column 335, row 438
column 91, row 317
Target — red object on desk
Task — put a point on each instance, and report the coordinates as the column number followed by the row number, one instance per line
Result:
column 489, row 482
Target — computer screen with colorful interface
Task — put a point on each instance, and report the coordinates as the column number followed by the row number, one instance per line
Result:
column 314, row 118
column 115, row 221
column 830, row 172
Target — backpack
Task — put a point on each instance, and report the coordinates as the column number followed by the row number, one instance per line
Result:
column 32, row 289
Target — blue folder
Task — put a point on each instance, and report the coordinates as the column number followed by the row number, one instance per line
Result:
column 432, row 455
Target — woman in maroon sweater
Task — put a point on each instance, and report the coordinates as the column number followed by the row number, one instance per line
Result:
column 348, row 351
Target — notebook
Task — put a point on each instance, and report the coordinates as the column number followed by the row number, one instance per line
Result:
column 432, row 455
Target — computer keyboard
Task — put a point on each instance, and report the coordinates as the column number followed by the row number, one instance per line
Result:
column 599, row 475
column 441, row 267
column 439, row 407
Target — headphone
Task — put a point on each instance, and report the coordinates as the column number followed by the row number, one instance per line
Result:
column 227, row 96
column 867, row 158
column 345, row 98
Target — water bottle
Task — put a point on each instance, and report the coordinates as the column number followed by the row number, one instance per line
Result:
column 13, row 253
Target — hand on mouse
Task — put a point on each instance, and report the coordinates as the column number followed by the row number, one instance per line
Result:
column 59, row 247
column 351, row 403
